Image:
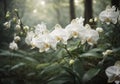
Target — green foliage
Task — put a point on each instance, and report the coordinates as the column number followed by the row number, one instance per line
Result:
column 90, row 74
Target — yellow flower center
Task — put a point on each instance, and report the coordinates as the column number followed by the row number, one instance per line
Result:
column 107, row 20
column 89, row 40
column 75, row 34
column 47, row 45
column 58, row 38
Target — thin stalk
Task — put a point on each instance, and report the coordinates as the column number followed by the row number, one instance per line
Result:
column 79, row 44
column 21, row 24
column 68, row 51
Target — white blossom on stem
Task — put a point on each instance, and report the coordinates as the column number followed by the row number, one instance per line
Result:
column 13, row 46
column 113, row 73
column 110, row 14
column 44, row 42
column 75, row 27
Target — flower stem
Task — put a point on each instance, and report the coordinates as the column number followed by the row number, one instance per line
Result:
column 68, row 51
column 21, row 24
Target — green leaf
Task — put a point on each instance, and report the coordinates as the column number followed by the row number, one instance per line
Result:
column 60, row 79
column 96, row 50
column 91, row 54
column 90, row 74
column 12, row 54
column 17, row 66
column 51, row 68
column 39, row 66
column 116, row 50
column 75, row 77
column 31, row 59
column 78, row 68
column 69, row 70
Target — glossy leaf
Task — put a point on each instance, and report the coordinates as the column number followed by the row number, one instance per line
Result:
column 17, row 66
column 90, row 74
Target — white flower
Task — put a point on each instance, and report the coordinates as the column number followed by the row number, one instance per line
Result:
column 7, row 24
column 92, row 36
column 60, row 34
column 13, row 46
column 29, row 37
column 109, row 15
column 40, row 29
column 17, row 27
column 17, row 38
column 89, row 35
column 44, row 42
column 80, row 20
column 99, row 29
column 75, row 27
column 113, row 73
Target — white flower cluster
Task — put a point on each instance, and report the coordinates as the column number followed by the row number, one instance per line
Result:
column 110, row 15
column 13, row 45
column 44, row 40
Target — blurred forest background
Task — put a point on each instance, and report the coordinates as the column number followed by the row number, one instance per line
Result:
column 21, row 67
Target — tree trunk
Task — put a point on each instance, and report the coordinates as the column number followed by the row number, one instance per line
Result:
column 72, row 9
column 88, row 10
column 5, row 7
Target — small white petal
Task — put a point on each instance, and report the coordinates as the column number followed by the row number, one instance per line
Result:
column 60, row 35
column 29, row 37
column 41, row 29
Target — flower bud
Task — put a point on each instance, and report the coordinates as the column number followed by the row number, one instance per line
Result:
column 21, row 33
column 91, row 20
column 95, row 19
column 16, row 10
column 14, row 19
column 17, row 38
column 7, row 24
column 107, row 52
column 17, row 27
column 7, row 14
column 71, row 61
column 26, row 28
column 98, row 29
